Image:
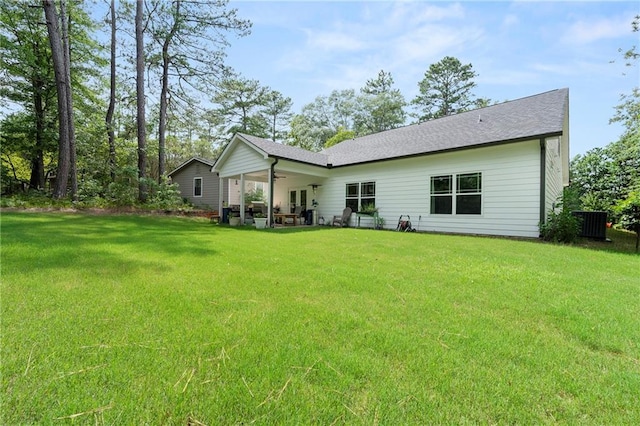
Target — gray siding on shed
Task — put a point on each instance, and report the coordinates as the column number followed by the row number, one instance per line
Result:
column 210, row 184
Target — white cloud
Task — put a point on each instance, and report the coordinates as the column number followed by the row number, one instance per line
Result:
column 336, row 41
column 508, row 77
column 510, row 20
column 417, row 13
column 428, row 44
column 585, row 32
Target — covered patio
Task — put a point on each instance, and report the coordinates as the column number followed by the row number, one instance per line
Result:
column 292, row 187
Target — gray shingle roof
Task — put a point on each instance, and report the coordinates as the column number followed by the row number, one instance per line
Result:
column 189, row 161
column 286, row 151
column 525, row 118
column 529, row 117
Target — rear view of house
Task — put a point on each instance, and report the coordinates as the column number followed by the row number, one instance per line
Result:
column 495, row 171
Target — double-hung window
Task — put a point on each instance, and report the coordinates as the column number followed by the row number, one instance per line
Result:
column 457, row 194
column 441, row 194
column 197, row 187
column 359, row 195
column 469, row 193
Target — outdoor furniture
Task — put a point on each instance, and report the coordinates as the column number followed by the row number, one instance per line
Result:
column 284, row 216
column 342, row 220
column 376, row 222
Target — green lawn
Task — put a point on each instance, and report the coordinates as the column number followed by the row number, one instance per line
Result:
column 159, row 320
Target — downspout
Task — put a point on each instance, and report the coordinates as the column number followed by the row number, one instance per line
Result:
column 272, row 181
column 242, row 206
column 543, row 180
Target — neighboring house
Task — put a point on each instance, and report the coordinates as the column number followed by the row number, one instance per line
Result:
column 495, row 171
column 196, row 182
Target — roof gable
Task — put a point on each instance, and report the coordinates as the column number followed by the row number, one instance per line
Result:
column 208, row 163
column 288, row 152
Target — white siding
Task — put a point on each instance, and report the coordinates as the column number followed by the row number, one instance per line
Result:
column 553, row 173
column 510, row 189
column 243, row 159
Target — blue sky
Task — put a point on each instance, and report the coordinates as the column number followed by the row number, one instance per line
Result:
column 306, row 49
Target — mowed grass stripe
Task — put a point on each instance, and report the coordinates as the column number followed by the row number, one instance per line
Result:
column 143, row 319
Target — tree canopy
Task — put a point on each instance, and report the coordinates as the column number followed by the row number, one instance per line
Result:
column 445, row 89
column 609, row 178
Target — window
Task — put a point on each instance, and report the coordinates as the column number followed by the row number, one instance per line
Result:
column 441, row 195
column 466, row 199
column 468, row 194
column 360, row 194
column 297, row 198
column 293, row 201
column 197, row 187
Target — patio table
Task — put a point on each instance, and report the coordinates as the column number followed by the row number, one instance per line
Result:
column 284, row 216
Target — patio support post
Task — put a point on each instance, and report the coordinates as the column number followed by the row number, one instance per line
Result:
column 272, row 173
column 221, row 197
column 242, row 198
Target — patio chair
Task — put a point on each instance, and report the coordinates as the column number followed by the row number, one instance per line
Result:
column 342, row 220
column 298, row 212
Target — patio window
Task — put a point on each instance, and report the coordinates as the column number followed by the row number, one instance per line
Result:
column 197, row 187
column 360, row 194
column 464, row 198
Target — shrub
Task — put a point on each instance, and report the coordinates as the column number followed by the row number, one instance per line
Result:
column 33, row 199
column 629, row 211
column 163, row 195
column 90, row 191
column 124, row 190
column 562, row 226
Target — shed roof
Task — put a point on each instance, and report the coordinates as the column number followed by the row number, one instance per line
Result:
column 204, row 161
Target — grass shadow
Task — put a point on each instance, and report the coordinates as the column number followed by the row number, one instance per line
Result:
column 618, row 241
column 87, row 240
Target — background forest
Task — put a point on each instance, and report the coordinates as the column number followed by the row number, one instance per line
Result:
column 99, row 109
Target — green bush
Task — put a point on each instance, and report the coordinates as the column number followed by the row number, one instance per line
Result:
column 33, row 199
column 124, row 190
column 562, row 226
column 629, row 211
column 90, row 191
column 163, row 195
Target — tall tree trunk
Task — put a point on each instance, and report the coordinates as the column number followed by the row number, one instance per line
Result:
column 112, row 96
column 162, row 122
column 142, row 150
column 36, row 181
column 164, row 93
column 57, row 50
column 274, row 123
column 37, row 163
column 64, row 20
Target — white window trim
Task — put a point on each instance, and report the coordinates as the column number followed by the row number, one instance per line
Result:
column 201, row 187
column 360, row 197
column 454, row 194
